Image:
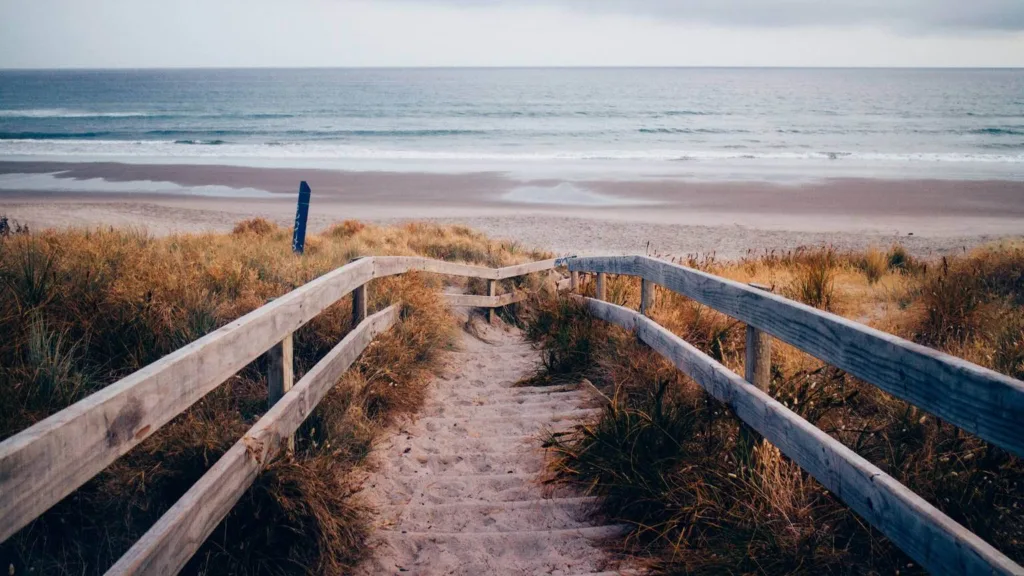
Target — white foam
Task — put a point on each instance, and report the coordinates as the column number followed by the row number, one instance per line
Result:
column 64, row 113
column 52, row 182
column 568, row 194
column 329, row 151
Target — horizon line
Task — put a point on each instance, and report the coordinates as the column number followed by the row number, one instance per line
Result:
column 500, row 67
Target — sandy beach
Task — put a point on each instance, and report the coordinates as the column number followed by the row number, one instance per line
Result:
column 664, row 216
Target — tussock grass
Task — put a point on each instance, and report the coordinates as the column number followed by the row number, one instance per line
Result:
column 875, row 264
column 814, row 284
column 80, row 309
column 673, row 463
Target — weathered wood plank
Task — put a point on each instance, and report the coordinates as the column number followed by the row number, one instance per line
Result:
column 281, row 374
column 978, row 400
column 492, row 291
column 481, row 301
column 172, row 541
column 359, row 297
column 574, row 281
column 927, row 535
column 46, row 462
column 758, row 365
column 524, row 269
column 646, row 296
column 280, row 369
column 392, row 265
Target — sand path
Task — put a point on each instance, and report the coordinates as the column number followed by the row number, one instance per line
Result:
column 458, row 488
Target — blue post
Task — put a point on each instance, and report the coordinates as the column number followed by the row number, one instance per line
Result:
column 299, row 239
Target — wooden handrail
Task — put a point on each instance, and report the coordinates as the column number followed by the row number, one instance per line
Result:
column 479, row 301
column 391, row 265
column 171, row 542
column 49, row 460
column 927, row 535
column 44, row 463
column 978, row 400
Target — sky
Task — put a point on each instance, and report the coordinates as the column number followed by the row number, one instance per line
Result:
column 300, row 33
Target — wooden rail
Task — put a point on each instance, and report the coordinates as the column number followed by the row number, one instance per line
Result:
column 44, row 463
column 49, row 460
column 926, row 534
column 978, row 400
column 171, row 542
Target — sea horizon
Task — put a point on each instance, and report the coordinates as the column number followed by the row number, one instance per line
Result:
column 775, row 124
column 499, row 67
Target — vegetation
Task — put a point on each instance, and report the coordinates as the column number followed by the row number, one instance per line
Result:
column 80, row 309
column 673, row 463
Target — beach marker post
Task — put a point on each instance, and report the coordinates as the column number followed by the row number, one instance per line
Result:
column 301, row 213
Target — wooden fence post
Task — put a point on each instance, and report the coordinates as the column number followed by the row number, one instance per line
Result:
column 759, row 358
column 646, row 296
column 600, row 292
column 758, row 372
column 281, row 375
column 574, row 282
column 758, row 365
column 492, row 290
column 358, row 305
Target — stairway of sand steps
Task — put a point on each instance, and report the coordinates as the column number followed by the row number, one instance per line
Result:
column 458, row 489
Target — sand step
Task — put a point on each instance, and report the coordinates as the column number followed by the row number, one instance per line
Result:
column 459, row 490
column 461, row 463
column 428, row 445
column 516, row 516
column 498, row 356
column 503, row 410
column 524, row 424
column 495, row 382
column 514, row 399
column 525, row 552
column 404, row 488
column 521, row 390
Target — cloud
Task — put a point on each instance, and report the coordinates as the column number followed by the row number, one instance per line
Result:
column 919, row 16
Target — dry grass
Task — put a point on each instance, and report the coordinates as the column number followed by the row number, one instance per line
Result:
column 875, row 264
column 671, row 461
column 80, row 309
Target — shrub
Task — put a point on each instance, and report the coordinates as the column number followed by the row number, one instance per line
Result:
column 900, row 261
column 875, row 264
column 815, row 278
column 346, row 229
column 256, row 227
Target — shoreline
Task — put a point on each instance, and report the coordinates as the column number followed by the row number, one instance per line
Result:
column 671, row 217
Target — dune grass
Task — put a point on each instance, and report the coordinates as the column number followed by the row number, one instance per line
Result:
column 80, row 309
column 671, row 462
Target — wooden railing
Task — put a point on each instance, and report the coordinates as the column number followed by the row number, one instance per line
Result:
column 46, row 462
column 976, row 399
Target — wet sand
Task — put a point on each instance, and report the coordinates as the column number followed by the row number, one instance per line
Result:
column 667, row 216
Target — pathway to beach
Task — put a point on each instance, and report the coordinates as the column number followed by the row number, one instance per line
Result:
column 459, row 488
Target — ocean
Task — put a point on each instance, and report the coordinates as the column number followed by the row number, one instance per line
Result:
column 705, row 123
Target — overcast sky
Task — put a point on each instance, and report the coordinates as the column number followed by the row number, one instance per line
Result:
column 158, row 33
